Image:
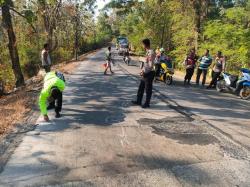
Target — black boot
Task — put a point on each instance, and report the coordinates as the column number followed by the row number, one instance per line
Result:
column 135, row 103
column 146, row 105
column 58, row 115
column 51, row 106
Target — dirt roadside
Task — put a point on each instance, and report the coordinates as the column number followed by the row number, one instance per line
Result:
column 19, row 111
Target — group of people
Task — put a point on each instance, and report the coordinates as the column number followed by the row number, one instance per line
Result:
column 152, row 63
column 205, row 62
column 54, row 82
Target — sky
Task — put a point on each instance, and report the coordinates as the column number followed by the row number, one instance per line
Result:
column 101, row 4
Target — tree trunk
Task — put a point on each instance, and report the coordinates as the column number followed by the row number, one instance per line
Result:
column 197, row 5
column 163, row 34
column 7, row 21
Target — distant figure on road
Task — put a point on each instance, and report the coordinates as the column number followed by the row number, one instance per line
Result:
column 190, row 63
column 147, row 74
column 45, row 57
column 205, row 62
column 109, row 61
column 54, row 84
column 219, row 66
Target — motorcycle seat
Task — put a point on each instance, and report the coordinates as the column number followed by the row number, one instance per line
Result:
column 233, row 80
column 244, row 70
column 246, row 83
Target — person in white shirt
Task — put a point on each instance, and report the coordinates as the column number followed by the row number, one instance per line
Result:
column 147, row 74
column 45, row 57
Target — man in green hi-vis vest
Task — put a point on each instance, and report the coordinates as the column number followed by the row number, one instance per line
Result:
column 54, row 84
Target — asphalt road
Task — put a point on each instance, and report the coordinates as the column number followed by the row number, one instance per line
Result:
column 189, row 137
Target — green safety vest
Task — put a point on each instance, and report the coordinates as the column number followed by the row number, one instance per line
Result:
column 50, row 80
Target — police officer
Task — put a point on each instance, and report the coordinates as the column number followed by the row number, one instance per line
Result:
column 147, row 74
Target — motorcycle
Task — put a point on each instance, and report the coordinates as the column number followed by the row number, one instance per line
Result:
column 164, row 74
column 228, row 82
column 245, row 90
column 126, row 59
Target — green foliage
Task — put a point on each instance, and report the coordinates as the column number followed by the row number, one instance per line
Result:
column 29, row 15
column 179, row 25
column 229, row 35
column 58, row 22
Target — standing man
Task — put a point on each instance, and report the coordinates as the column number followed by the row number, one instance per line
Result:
column 190, row 63
column 147, row 74
column 54, row 84
column 45, row 57
column 219, row 66
column 109, row 60
column 205, row 62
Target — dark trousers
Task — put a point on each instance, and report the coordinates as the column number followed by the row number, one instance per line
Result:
column 215, row 77
column 146, row 84
column 157, row 69
column 57, row 104
column 189, row 74
column 204, row 73
column 46, row 68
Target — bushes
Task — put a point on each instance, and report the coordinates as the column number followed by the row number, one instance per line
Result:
column 6, row 77
column 230, row 35
column 225, row 28
column 31, row 69
column 61, row 54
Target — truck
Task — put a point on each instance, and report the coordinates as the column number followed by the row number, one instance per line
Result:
column 122, row 45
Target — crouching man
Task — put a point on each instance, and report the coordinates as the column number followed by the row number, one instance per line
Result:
column 54, row 84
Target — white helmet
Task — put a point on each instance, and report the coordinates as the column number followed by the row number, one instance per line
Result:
column 162, row 50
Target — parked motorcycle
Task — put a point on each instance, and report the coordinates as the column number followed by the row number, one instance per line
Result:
column 164, row 74
column 245, row 90
column 228, row 82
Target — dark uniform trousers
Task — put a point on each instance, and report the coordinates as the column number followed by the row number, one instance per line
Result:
column 146, row 84
column 57, row 104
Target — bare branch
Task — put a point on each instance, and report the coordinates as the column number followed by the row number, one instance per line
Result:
column 20, row 14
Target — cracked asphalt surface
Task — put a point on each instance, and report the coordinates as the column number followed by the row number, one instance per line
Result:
column 189, row 137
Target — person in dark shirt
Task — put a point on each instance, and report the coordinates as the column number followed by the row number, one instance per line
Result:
column 190, row 63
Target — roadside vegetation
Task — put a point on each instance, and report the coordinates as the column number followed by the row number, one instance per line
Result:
column 69, row 27
column 179, row 25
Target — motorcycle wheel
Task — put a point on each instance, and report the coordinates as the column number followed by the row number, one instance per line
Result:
column 168, row 80
column 245, row 93
column 220, row 86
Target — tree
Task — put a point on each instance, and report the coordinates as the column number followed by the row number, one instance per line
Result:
column 7, row 22
column 180, row 25
column 50, row 12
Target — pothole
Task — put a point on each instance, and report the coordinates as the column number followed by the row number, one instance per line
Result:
column 183, row 129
